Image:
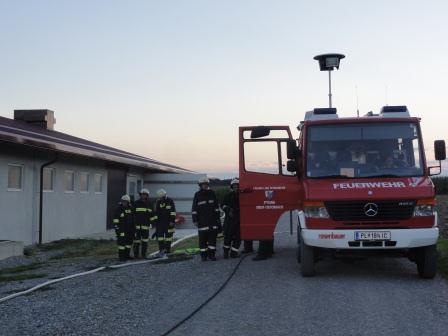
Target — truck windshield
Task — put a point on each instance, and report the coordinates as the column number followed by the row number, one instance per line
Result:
column 363, row 150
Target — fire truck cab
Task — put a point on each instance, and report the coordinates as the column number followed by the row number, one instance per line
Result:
column 358, row 186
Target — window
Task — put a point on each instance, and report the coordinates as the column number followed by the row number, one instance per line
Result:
column 364, row 150
column 98, row 183
column 261, row 157
column 48, row 179
column 84, row 181
column 15, row 177
column 69, row 178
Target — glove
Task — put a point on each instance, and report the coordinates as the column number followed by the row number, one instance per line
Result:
column 171, row 225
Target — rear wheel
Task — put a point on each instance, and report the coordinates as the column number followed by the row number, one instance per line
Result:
column 307, row 259
column 427, row 262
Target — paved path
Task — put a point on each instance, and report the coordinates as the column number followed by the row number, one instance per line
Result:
column 366, row 297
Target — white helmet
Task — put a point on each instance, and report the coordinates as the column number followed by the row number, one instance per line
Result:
column 234, row 181
column 161, row 193
column 144, row 191
column 203, row 180
column 126, row 198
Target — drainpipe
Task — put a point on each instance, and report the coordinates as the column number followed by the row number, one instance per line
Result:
column 41, row 193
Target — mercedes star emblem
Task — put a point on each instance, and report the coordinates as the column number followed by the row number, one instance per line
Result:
column 371, row 209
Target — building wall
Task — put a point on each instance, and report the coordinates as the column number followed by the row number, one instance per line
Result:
column 180, row 187
column 18, row 208
column 65, row 214
column 78, row 213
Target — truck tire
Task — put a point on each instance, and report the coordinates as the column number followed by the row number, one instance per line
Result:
column 307, row 259
column 427, row 262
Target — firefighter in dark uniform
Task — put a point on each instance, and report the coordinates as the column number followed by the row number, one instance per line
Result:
column 231, row 207
column 265, row 250
column 166, row 217
column 206, row 216
column 144, row 218
column 124, row 227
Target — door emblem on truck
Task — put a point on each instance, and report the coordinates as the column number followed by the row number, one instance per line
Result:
column 269, row 194
column 371, row 209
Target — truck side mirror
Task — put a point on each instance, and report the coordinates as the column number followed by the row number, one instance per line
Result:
column 440, row 150
column 291, row 166
column 291, row 150
column 259, row 132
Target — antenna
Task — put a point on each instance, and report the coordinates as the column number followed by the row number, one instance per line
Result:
column 386, row 95
column 357, row 101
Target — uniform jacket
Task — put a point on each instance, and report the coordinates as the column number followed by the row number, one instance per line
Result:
column 205, row 209
column 124, row 218
column 144, row 214
column 231, row 206
column 165, row 211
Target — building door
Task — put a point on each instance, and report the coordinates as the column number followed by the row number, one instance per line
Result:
column 116, row 187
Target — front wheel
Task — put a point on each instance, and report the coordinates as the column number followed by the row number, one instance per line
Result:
column 427, row 262
column 307, row 259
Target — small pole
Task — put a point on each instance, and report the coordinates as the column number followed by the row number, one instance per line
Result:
column 329, row 86
column 357, row 102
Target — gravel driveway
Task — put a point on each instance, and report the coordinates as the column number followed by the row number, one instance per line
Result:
column 366, row 297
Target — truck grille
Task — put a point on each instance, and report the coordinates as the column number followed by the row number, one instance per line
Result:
column 370, row 210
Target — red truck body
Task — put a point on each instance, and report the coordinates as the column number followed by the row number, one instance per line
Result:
column 350, row 201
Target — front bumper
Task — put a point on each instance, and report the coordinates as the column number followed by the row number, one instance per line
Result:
column 343, row 239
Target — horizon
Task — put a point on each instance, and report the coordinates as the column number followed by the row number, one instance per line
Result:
column 175, row 80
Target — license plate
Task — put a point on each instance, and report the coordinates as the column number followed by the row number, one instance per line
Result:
column 372, row 235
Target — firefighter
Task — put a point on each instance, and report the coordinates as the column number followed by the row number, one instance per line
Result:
column 144, row 219
column 248, row 246
column 124, row 227
column 205, row 213
column 231, row 207
column 265, row 250
column 165, row 211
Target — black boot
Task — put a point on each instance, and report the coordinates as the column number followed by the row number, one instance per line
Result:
column 226, row 253
column 211, row 255
column 136, row 250
column 248, row 246
column 144, row 250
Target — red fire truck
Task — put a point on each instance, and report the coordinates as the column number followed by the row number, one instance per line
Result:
column 358, row 185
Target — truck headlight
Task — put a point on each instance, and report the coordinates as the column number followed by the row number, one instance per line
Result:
column 425, row 208
column 315, row 210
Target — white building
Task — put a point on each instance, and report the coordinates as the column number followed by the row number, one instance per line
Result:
column 81, row 182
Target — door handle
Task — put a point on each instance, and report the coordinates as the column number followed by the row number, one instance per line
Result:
column 247, row 190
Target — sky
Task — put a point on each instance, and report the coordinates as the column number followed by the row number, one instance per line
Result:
column 173, row 80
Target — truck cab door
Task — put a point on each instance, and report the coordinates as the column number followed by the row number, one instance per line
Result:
column 267, row 189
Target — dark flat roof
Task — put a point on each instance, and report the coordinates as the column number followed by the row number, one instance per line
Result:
column 28, row 135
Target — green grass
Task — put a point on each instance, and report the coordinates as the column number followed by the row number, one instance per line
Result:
column 75, row 248
column 21, row 277
column 21, row 268
column 442, row 246
column 187, row 243
column 17, row 273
